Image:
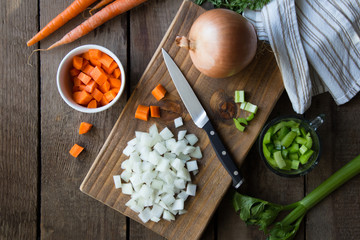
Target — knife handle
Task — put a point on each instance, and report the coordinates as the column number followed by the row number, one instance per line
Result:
column 223, row 155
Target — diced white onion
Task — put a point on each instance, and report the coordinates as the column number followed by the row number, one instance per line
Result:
column 178, row 122
column 117, row 181
column 156, row 174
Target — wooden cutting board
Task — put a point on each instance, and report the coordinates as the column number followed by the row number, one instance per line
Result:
column 263, row 85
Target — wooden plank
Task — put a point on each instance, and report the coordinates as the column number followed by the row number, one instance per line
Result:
column 19, row 122
column 260, row 183
column 99, row 184
column 336, row 217
column 66, row 213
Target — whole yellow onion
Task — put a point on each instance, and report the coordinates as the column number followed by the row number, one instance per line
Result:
column 221, row 43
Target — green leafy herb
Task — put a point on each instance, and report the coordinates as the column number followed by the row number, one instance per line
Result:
column 236, row 5
column 255, row 211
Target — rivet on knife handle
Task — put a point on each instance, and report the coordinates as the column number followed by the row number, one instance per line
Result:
column 223, row 155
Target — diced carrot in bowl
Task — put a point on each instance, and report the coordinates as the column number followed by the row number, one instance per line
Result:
column 95, row 53
column 77, row 62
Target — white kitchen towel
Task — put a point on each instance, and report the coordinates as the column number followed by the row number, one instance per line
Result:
column 316, row 45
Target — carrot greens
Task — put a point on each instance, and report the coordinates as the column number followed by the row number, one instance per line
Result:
column 236, row 5
column 254, row 211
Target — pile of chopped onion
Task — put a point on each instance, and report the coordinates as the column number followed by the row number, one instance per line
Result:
column 156, row 174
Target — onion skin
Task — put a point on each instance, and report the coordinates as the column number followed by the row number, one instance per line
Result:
column 221, row 43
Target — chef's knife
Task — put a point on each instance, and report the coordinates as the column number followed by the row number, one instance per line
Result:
column 200, row 118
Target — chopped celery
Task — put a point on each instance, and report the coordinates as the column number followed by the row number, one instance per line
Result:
column 296, row 129
column 300, row 140
column 303, row 149
column 242, row 120
column 293, row 156
column 277, row 144
column 279, row 160
column 303, row 131
column 288, row 139
column 306, row 156
column 239, row 96
column 294, row 148
column 250, row 117
column 251, row 107
column 271, row 147
column 284, row 153
column 309, row 141
column 242, row 105
column 295, row 164
column 238, row 125
column 282, row 133
column 267, row 138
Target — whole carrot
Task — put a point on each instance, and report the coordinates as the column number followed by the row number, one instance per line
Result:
column 70, row 12
column 110, row 11
column 100, row 5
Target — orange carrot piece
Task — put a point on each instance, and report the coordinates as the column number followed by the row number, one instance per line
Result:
column 87, row 70
column 159, row 92
column 95, row 62
column 74, row 72
column 79, row 88
column 84, row 78
column 155, row 111
column 100, row 5
column 85, row 64
column 110, row 11
column 70, row 12
column 92, row 104
column 76, row 150
column 82, row 97
column 86, row 55
column 98, row 75
column 114, row 83
column 97, row 95
column 95, row 53
column 110, row 95
column 117, row 73
column 142, row 112
column 105, row 87
column 115, row 90
column 106, row 60
column 110, row 70
column 77, row 81
column 104, row 101
column 85, row 127
column 77, row 62
column 91, row 86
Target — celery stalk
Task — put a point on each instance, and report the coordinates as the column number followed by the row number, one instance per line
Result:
column 262, row 213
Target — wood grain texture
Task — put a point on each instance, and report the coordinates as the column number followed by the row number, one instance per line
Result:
column 337, row 216
column 66, row 213
column 261, row 79
column 19, row 143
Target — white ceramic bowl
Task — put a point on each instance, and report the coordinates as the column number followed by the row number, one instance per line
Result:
column 64, row 83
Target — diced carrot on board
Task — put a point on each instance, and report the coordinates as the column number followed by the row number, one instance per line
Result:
column 82, row 97
column 84, row 127
column 155, row 111
column 142, row 112
column 159, row 92
column 117, row 73
column 76, row 150
column 97, row 95
column 92, row 104
column 77, row 62
column 106, row 60
column 84, row 78
column 115, row 83
column 98, row 75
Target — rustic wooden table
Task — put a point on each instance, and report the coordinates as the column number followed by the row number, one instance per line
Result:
column 40, row 196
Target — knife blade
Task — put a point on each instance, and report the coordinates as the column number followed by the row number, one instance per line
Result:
column 200, row 118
